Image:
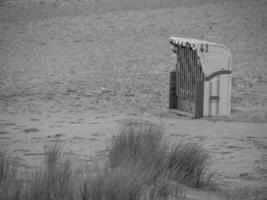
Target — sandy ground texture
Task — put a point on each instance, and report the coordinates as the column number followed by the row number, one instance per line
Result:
column 76, row 70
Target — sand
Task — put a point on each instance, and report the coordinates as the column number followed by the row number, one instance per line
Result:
column 76, row 70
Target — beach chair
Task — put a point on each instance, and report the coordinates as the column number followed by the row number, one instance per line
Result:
column 200, row 85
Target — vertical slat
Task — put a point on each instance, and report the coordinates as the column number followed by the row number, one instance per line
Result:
column 172, row 91
column 194, row 77
column 199, row 68
column 185, row 67
column 198, row 73
column 184, row 78
column 196, row 63
column 181, row 64
column 181, row 71
column 178, row 68
column 184, row 70
column 210, row 94
column 191, row 74
column 187, row 72
column 199, row 98
column 218, row 94
column 195, row 70
column 181, row 75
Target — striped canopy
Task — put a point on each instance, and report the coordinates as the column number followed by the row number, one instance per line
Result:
column 212, row 56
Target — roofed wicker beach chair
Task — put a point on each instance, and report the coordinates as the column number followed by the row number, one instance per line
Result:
column 200, row 85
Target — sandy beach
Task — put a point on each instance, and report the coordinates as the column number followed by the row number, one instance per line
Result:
column 77, row 70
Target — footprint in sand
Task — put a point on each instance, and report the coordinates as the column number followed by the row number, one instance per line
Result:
column 34, row 154
column 226, row 152
column 8, row 124
column 78, row 138
column 178, row 135
column 18, row 127
column 91, row 123
column 35, row 119
column 60, row 122
column 236, row 147
column 37, row 139
column 22, row 150
column 53, row 126
column 228, row 138
column 94, row 139
column 96, row 134
column 251, row 137
column 100, row 117
column 4, row 133
column 30, row 130
column 76, row 122
column 58, row 135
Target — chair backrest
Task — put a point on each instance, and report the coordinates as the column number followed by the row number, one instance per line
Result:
column 188, row 70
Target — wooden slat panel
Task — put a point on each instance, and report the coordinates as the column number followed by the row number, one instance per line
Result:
column 188, row 69
column 178, row 68
column 191, row 74
column 186, row 74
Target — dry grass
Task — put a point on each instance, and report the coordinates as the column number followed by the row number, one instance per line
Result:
column 54, row 181
column 7, row 169
column 140, row 166
column 58, row 179
column 10, row 185
column 138, row 144
column 142, row 144
column 189, row 164
column 118, row 184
